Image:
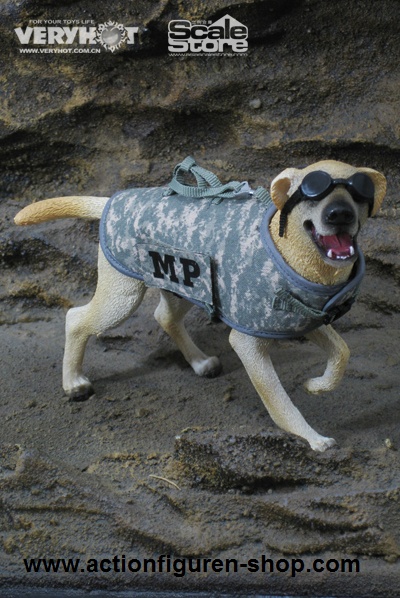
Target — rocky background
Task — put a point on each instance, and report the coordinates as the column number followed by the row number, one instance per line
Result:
column 320, row 80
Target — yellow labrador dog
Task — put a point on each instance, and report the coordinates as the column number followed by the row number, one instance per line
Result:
column 270, row 269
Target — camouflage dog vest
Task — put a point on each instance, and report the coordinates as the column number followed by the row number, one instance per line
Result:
column 211, row 244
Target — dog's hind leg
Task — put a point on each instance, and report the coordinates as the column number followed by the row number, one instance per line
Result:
column 116, row 297
column 338, row 355
column 170, row 314
column 253, row 352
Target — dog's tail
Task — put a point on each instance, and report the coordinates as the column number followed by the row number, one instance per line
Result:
column 62, row 207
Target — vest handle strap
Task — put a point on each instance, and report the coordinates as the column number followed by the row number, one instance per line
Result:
column 208, row 184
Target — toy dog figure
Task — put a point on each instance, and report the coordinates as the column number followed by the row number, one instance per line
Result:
column 271, row 267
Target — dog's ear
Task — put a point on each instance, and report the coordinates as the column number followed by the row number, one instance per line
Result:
column 280, row 186
column 380, row 187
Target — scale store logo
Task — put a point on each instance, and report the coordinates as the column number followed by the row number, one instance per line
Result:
column 74, row 36
column 225, row 37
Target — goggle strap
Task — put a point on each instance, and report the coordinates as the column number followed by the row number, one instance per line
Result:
column 282, row 224
column 287, row 208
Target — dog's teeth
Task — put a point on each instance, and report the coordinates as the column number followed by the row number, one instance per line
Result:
column 330, row 254
column 352, row 251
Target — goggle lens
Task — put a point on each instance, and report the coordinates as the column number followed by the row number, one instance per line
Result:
column 363, row 186
column 317, row 185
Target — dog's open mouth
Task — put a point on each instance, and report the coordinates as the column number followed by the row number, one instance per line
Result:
column 339, row 247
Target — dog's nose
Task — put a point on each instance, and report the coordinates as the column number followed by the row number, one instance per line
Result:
column 338, row 213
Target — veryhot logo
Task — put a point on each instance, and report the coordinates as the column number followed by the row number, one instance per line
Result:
column 110, row 35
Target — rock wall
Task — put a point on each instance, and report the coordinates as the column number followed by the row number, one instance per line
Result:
column 320, row 80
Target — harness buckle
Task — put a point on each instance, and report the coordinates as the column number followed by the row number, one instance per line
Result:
column 338, row 311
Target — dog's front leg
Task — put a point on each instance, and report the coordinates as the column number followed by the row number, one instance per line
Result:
column 338, row 355
column 253, row 352
column 170, row 314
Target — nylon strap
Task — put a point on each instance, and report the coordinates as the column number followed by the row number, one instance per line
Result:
column 285, row 301
column 208, row 184
column 263, row 195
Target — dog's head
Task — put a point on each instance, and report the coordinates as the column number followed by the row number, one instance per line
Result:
column 328, row 202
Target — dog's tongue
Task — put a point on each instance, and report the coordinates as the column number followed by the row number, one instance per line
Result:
column 338, row 246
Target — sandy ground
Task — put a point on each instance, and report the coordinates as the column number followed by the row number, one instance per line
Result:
column 86, row 479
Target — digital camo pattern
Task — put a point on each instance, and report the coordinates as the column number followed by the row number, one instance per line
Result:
column 232, row 267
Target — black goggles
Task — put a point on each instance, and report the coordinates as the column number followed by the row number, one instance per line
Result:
column 317, row 185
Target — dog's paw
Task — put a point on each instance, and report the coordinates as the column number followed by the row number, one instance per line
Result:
column 208, row 368
column 322, row 443
column 319, row 385
column 80, row 391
